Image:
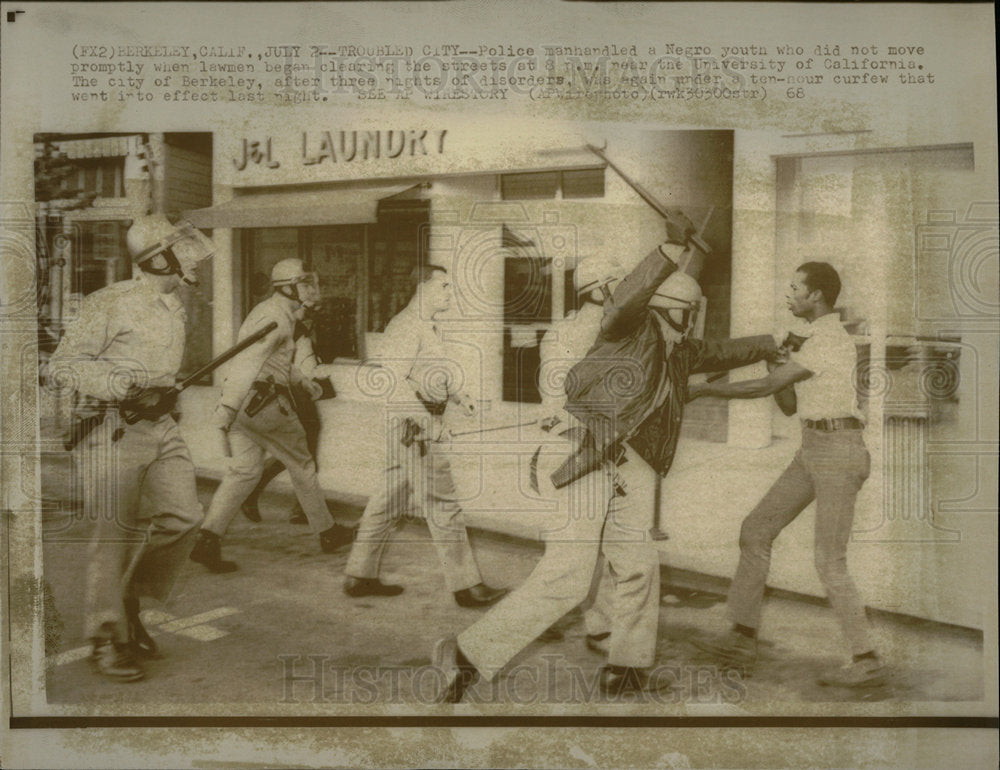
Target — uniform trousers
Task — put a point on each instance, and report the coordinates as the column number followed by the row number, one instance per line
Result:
column 416, row 481
column 625, row 599
column 308, row 415
column 594, row 519
column 275, row 429
column 829, row 468
column 140, row 492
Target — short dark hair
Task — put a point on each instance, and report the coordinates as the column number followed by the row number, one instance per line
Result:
column 821, row 277
column 423, row 273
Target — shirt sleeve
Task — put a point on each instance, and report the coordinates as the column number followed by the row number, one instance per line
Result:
column 554, row 365
column 77, row 358
column 722, row 355
column 243, row 369
column 810, row 356
column 627, row 305
column 305, row 359
column 399, row 349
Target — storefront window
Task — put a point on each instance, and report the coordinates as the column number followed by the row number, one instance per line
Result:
column 103, row 257
column 398, row 245
column 364, row 270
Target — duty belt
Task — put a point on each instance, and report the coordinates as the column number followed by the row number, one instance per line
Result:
column 264, row 392
column 835, row 423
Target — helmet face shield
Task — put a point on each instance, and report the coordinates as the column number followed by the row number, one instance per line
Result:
column 180, row 247
column 191, row 247
column 680, row 314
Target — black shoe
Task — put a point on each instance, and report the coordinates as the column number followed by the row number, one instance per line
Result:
column 115, row 661
column 208, row 551
column 298, row 516
column 250, row 510
column 618, row 681
column 335, row 537
column 356, row 587
column 480, row 595
column 139, row 640
column 457, row 673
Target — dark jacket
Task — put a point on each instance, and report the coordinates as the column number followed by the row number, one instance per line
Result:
column 632, row 384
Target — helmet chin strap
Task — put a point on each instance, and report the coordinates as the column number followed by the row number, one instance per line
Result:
column 172, row 267
column 292, row 295
column 680, row 328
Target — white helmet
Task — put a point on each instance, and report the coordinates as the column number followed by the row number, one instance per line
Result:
column 596, row 274
column 289, row 279
column 180, row 247
column 678, row 299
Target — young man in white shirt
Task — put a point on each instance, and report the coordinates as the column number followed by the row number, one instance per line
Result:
column 830, row 468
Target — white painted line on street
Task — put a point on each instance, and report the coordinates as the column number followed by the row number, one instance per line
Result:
column 195, row 620
column 202, row 633
column 193, row 628
column 155, row 617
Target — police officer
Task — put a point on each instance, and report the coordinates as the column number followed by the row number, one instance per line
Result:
column 629, row 393
column 256, row 413
column 425, row 383
column 308, row 364
column 122, row 356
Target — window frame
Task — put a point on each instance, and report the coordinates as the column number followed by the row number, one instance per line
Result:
column 560, row 187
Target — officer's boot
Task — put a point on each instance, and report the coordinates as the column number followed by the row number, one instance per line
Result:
column 208, row 551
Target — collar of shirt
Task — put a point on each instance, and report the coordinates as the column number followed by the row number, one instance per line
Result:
column 826, row 322
column 169, row 300
column 415, row 318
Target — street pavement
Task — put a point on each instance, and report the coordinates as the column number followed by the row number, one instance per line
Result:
column 279, row 634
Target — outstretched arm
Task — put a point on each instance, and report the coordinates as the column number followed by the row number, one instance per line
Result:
column 781, row 378
column 627, row 306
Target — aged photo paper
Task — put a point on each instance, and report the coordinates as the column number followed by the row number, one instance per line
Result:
column 499, row 384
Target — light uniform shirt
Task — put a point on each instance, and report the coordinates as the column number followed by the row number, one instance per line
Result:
column 563, row 345
column 831, row 356
column 413, row 349
column 269, row 357
column 127, row 333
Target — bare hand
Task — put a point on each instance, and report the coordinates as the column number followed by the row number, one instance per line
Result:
column 696, row 390
column 679, row 227
column 223, row 417
column 467, row 405
column 313, row 388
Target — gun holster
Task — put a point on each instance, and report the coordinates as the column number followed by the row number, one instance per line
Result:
column 587, row 459
column 412, row 433
column 264, row 392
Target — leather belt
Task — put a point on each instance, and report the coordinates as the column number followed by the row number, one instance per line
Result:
column 835, row 423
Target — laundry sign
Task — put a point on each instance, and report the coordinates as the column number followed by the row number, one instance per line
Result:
column 336, row 147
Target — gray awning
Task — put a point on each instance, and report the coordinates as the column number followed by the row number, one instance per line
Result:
column 296, row 208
